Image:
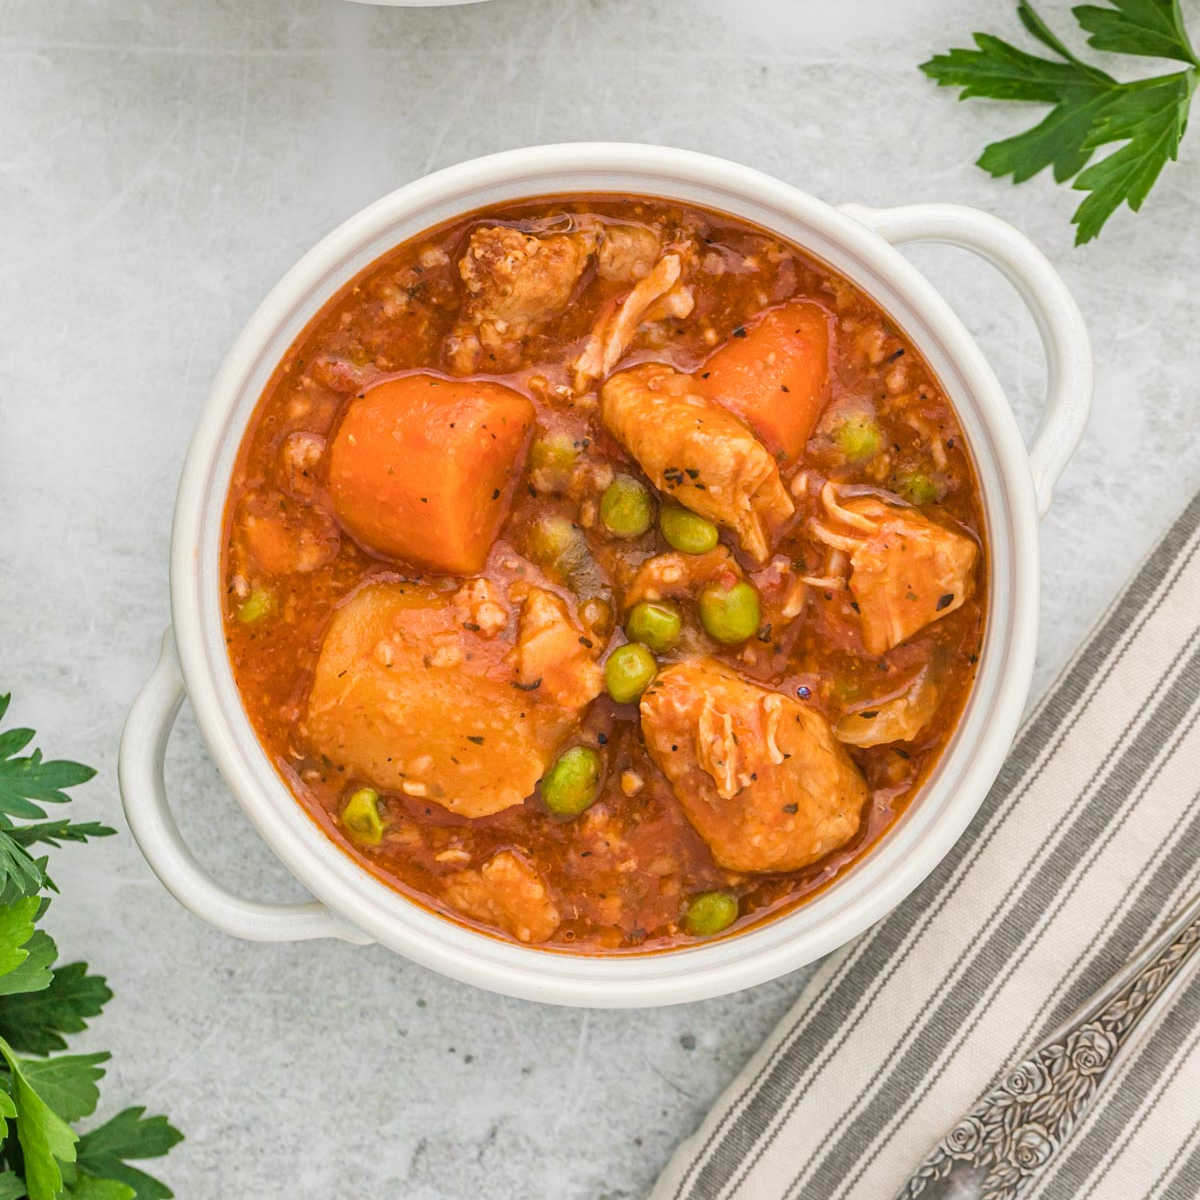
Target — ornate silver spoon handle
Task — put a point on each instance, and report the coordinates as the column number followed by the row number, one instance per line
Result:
column 997, row 1150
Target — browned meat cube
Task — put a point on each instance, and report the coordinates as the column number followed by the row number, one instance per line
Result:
column 553, row 653
column 508, row 892
column 627, row 253
column 515, row 282
column 908, row 572
column 759, row 775
column 277, row 535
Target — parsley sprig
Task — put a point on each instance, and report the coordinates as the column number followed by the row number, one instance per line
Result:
column 42, row 1157
column 1090, row 109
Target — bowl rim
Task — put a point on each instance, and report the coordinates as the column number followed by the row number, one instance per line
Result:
column 911, row 847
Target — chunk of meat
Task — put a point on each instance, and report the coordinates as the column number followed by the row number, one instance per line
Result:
column 515, row 282
column 407, row 697
column 681, row 575
column 906, row 571
column 481, row 607
column 553, row 654
column 627, row 253
column 698, row 452
column 508, row 892
column 282, row 537
column 760, row 776
column 898, row 717
column 423, row 468
column 299, row 458
column 657, row 295
column 776, row 376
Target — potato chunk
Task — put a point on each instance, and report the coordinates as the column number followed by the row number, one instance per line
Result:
column 423, row 468
column 908, row 572
column 759, row 775
column 506, row 891
column 697, row 452
column 408, row 698
column 776, row 376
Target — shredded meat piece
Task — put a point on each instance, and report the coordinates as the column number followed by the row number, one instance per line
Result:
column 698, row 452
column 506, row 891
column 515, row 282
column 758, row 774
column 909, row 572
column 652, row 298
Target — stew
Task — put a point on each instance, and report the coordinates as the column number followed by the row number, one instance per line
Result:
column 603, row 572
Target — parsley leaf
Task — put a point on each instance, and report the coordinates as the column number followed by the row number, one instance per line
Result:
column 20, row 873
column 54, row 832
column 16, row 928
column 105, row 1150
column 35, row 1021
column 23, row 875
column 1152, row 123
column 1153, row 28
column 40, row 1098
column 24, row 780
column 32, row 974
column 88, row 1187
column 67, row 1083
column 1090, row 109
column 46, row 1139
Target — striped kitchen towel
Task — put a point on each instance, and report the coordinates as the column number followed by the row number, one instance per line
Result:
column 1086, row 845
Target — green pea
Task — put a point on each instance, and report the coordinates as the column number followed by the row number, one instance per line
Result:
column 710, row 912
column 361, row 817
column 858, row 438
column 551, row 537
column 626, row 508
column 686, row 530
column 573, row 783
column 654, row 623
column 730, row 615
column 257, row 606
column 628, row 672
column 553, row 458
column 919, row 488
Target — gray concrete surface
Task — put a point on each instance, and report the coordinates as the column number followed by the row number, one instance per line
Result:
column 162, row 162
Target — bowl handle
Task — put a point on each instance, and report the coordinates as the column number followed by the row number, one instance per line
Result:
column 144, row 795
column 1059, row 321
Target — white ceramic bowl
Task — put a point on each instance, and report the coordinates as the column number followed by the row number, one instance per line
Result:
column 1016, row 483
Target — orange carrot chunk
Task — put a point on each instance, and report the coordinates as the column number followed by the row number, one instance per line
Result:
column 774, row 374
column 423, row 468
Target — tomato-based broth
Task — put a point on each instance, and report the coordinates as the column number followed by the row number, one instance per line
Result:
column 603, row 572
